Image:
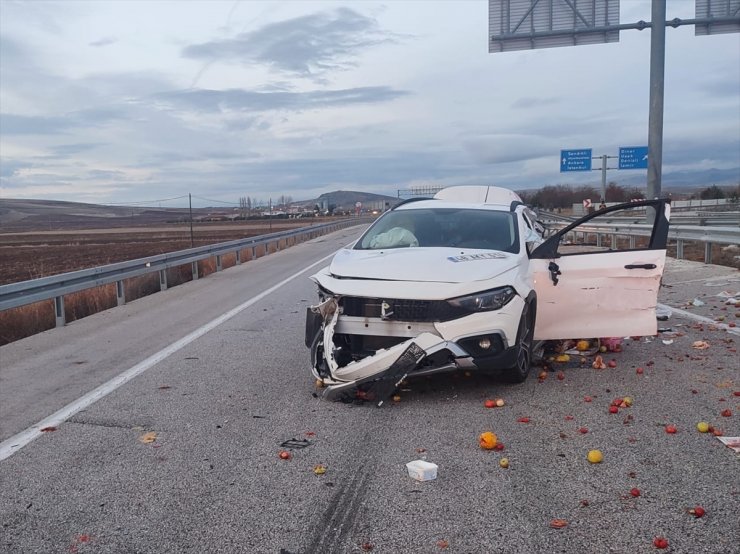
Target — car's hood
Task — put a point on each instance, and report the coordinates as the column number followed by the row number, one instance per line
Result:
column 442, row 265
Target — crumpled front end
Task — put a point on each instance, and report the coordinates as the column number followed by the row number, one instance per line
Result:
column 377, row 375
column 366, row 346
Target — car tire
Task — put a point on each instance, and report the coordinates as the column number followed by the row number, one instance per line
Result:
column 524, row 337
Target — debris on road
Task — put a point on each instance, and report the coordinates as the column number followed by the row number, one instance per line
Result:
column 504, row 463
column 148, row 438
column 319, row 469
column 48, row 429
column 422, row 470
column 700, row 345
column 731, row 442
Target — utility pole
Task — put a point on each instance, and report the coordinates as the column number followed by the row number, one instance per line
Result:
column 655, row 118
column 270, row 216
column 190, row 204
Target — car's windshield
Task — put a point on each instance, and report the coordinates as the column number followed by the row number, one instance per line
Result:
column 443, row 227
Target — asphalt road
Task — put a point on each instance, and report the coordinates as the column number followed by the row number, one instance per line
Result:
column 222, row 404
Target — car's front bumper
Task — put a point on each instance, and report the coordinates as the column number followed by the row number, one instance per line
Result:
column 428, row 348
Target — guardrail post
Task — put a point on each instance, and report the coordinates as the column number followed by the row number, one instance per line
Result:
column 633, row 242
column 218, row 263
column 679, row 249
column 238, row 257
column 162, row 279
column 59, row 311
column 254, row 252
column 598, row 240
column 120, row 293
column 707, row 252
column 194, row 266
column 614, row 241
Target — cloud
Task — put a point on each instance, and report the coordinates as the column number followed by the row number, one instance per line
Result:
column 103, row 42
column 12, row 124
column 307, row 46
column 504, row 148
column 526, row 102
column 206, row 100
column 64, row 150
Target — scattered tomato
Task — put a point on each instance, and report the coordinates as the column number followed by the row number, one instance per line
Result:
column 671, row 429
column 639, row 371
column 284, row 455
column 442, row 544
column 660, row 542
column 569, row 418
column 635, row 492
column 523, row 420
column 499, row 446
column 612, row 363
column 583, row 430
column 500, row 402
column 587, row 399
column 726, row 413
column 558, row 523
column 560, row 375
column 489, row 404
column 542, row 375
column 697, row 511
column 613, row 410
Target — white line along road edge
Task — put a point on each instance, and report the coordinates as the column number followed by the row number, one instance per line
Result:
column 701, row 319
column 13, row 444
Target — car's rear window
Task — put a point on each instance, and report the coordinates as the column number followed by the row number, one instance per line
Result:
column 443, row 227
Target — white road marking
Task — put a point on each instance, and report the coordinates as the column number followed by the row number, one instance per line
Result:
column 13, row 444
column 701, row 319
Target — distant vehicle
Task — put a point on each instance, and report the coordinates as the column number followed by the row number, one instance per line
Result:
column 468, row 280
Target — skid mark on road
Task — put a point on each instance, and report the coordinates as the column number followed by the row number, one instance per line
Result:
column 13, row 444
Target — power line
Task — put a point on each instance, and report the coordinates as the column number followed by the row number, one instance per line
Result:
column 217, row 201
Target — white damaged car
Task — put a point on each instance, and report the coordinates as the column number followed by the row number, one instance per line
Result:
column 467, row 280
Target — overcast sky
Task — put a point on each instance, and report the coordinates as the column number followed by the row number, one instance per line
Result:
column 106, row 101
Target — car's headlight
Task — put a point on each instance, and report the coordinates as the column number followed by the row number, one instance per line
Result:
column 485, row 301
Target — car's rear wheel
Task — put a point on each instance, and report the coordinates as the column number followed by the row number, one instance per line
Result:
column 518, row 372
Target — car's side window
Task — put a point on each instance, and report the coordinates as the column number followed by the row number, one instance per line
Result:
column 619, row 230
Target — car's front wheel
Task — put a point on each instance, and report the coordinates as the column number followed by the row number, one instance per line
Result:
column 518, row 372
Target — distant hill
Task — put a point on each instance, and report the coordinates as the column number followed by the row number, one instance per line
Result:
column 23, row 214
column 347, row 199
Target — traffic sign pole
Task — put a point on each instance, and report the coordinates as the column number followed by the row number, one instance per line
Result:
column 655, row 117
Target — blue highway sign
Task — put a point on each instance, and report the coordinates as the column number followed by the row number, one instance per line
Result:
column 575, row 160
column 633, row 157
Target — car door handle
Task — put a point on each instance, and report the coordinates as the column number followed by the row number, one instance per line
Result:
column 554, row 270
column 640, row 266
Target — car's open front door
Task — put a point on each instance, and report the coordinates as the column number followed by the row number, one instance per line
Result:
column 593, row 280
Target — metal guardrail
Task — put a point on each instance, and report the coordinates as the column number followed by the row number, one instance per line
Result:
column 708, row 235
column 56, row 286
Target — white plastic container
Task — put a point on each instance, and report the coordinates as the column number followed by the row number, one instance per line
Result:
column 422, row 470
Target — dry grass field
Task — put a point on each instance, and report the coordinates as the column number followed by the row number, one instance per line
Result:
column 28, row 255
column 33, row 254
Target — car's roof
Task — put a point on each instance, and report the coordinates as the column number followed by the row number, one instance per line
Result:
column 436, row 203
column 468, row 197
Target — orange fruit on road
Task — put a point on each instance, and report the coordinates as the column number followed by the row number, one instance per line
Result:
column 487, row 440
